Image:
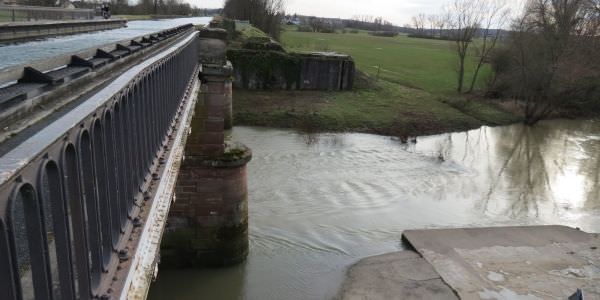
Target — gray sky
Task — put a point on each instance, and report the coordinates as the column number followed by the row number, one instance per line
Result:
column 398, row 12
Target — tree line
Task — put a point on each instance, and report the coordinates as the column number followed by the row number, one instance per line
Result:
column 370, row 23
column 153, row 7
column 546, row 60
column 266, row 15
column 550, row 60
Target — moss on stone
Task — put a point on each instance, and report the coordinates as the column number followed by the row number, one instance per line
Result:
column 176, row 250
column 266, row 65
column 205, row 246
column 234, row 152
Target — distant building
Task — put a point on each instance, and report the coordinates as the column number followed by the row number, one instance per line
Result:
column 292, row 20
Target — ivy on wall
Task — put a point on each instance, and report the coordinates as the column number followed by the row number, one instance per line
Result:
column 268, row 68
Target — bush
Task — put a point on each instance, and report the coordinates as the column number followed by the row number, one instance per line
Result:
column 429, row 37
column 353, row 30
column 229, row 26
column 265, row 15
column 262, row 43
column 327, row 30
column 304, row 28
column 384, row 33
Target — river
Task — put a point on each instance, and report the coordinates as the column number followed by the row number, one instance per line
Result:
column 319, row 203
column 19, row 53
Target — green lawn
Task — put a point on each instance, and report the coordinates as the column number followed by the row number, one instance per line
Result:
column 421, row 63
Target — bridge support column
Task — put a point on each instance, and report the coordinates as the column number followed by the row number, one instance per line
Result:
column 208, row 222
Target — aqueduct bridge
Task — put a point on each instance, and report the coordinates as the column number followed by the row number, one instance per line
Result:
column 91, row 151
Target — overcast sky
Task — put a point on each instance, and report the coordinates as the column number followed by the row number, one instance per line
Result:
column 398, row 12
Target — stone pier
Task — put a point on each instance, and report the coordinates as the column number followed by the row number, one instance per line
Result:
column 208, row 222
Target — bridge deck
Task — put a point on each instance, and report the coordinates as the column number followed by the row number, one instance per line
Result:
column 84, row 198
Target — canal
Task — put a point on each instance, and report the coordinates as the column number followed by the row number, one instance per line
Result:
column 319, row 203
column 19, row 53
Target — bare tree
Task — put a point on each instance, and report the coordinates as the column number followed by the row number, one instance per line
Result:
column 494, row 15
column 419, row 23
column 433, row 21
column 553, row 59
column 441, row 22
column 264, row 14
column 464, row 20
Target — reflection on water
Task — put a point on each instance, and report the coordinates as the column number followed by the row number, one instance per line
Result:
column 16, row 54
column 319, row 203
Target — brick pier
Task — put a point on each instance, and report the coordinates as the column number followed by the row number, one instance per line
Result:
column 208, row 223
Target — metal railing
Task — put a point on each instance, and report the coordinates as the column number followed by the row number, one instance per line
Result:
column 15, row 13
column 71, row 195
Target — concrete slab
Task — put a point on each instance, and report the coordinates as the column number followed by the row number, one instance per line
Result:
column 399, row 275
column 538, row 262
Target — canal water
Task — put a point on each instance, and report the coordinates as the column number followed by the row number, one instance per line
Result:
column 319, row 203
column 20, row 53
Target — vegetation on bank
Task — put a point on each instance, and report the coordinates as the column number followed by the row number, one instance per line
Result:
column 266, row 15
column 404, row 87
column 379, row 107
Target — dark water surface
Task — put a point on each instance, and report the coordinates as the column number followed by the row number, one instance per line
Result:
column 319, row 203
column 20, row 53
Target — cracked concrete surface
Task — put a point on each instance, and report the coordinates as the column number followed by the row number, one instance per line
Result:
column 527, row 262
column 538, row 262
column 399, row 275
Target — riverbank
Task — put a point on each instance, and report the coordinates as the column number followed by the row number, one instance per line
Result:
column 404, row 87
column 379, row 107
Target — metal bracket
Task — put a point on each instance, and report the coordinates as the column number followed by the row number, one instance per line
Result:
column 136, row 43
column 103, row 54
column 32, row 75
column 123, row 47
column 77, row 61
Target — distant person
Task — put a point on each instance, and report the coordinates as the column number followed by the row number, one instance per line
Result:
column 105, row 10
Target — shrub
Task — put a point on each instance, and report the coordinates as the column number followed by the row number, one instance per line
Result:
column 327, row 30
column 262, row 43
column 384, row 33
column 429, row 37
column 304, row 28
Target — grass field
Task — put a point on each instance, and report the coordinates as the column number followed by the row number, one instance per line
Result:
column 405, row 86
column 421, row 63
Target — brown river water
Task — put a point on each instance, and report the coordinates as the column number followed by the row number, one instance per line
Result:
column 319, row 203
